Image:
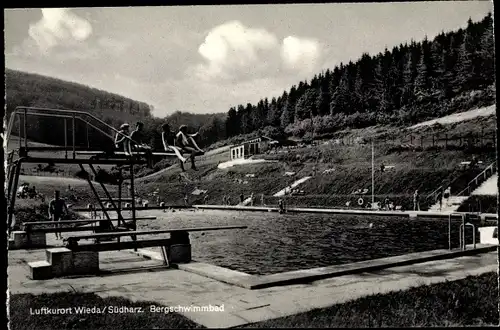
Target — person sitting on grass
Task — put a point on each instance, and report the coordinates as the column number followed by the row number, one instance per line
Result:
column 138, row 145
column 121, row 138
column 187, row 144
column 57, row 210
column 168, row 138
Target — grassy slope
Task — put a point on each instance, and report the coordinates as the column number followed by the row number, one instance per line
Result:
column 471, row 301
column 423, row 169
column 414, row 169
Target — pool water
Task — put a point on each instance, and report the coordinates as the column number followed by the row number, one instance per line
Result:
column 275, row 243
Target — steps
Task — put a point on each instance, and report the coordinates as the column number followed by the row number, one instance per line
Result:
column 64, row 262
column 475, row 187
column 488, row 187
column 449, row 205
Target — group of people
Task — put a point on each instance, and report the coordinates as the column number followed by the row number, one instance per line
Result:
column 179, row 143
column 440, row 196
column 25, row 191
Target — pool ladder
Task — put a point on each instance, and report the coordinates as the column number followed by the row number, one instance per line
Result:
column 462, row 231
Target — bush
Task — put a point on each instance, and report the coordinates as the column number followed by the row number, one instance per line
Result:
column 82, row 174
column 104, row 176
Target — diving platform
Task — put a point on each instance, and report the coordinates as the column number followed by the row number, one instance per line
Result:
column 77, row 130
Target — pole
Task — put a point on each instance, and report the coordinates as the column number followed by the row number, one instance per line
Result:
column 87, row 134
column 66, row 138
column 26, row 129
column 19, row 129
column 449, row 233
column 132, row 193
column 373, row 174
column 119, row 193
column 73, row 133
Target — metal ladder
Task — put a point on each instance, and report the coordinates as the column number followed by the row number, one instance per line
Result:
column 462, row 231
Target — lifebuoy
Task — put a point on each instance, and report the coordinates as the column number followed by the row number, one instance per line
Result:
column 361, row 201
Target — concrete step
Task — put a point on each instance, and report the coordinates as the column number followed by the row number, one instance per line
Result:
column 488, row 187
column 40, row 270
column 449, row 205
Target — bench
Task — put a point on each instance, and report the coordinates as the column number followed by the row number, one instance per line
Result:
column 75, row 259
column 30, row 237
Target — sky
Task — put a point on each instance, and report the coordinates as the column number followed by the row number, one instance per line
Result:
column 206, row 59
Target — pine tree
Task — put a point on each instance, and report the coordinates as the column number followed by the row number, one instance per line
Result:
column 487, row 46
column 232, row 123
column 422, row 81
column 323, row 99
column 464, row 71
column 288, row 114
column 274, row 113
column 306, row 105
column 407, row 88
column 340, row 98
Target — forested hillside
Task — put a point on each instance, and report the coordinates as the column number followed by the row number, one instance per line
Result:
column 27, row 89
column 410, row 83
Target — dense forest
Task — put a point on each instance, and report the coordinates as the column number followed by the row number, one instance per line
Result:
column 413, row 82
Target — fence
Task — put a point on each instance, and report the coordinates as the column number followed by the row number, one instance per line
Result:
column 441, row 140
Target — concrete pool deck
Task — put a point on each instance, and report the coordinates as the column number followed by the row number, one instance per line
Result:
column 409, row 214
column 127, row 275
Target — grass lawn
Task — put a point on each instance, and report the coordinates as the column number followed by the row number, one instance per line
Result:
column 22, row 305
column 467, row 302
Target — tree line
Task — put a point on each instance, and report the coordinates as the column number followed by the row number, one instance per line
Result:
column 33, row 90
column 412, row 82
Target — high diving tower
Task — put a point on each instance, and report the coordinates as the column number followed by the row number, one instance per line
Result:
column 74, row 153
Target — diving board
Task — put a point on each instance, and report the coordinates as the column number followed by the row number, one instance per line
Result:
column 122, row 153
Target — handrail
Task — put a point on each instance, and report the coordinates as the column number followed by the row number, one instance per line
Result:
column 74, row 112
column 65, row 114
column 492, row 166
column 455, row 179
column 442, row 185
column 462, row 241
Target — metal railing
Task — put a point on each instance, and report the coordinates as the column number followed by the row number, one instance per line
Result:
column 463, row 244
column 450, row 183
column 449, row 227
column 73, row 115
column 462, row 231
column 474, row 182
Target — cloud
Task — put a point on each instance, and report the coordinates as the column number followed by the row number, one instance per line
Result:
column 233, row 46
column 59, row 26
column 300, row 53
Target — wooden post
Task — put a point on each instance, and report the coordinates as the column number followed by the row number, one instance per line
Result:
column 119, row 193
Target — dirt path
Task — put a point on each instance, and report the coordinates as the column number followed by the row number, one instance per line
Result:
column 457, row 117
